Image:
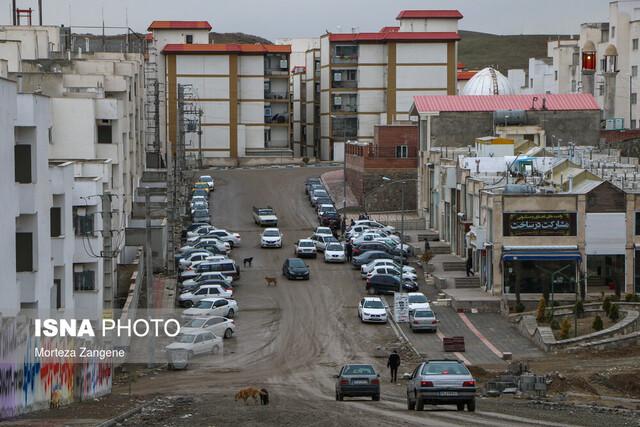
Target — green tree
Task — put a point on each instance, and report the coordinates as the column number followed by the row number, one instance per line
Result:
column 597, row 324
column 541, row 311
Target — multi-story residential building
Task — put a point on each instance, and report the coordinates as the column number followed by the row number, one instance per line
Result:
column 242, row 90
column 371, row 78
column 299, row 111
column 312, row 102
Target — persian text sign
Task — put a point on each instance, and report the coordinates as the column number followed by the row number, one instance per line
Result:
column 540, row 224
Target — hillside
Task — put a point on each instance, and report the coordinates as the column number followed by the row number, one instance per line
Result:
column 220, row 38
column 479, row 50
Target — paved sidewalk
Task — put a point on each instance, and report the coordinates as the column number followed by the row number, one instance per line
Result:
column 334, row 182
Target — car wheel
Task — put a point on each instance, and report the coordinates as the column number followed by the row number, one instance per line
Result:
column 188, row 304
column 231, row 313
column 411, row 405
column 471, row 405
column 460, row 406
column 375, row 397
column 228, row 333
column 170, row 366
column 419, row 404
column 215, row 349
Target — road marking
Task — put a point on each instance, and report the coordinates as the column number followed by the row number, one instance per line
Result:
column 457, row 354
column 477, row 333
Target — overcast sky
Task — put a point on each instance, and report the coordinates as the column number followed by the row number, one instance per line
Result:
column 306, row 18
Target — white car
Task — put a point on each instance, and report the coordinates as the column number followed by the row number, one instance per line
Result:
column 226, row 236
column 372, row 309
column 305, row 248
column 195, row 257
column 375, row 225
column 391, row 270
column 271, row 238
column 334, row 252
column 366, row 268
column 211, row 258
column 323, row 231
column 418, row 300
column 187, row 345
column 200, row 231
column 220, row 326
column 322, row 241
column 356, row 230
column 371, row 235
column 209, row 180
column 212, row 307
column 189, row 299
column 210, row 241
column 206, row 275
column 195, row 199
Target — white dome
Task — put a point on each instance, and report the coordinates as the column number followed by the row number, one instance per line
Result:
column 488, row 82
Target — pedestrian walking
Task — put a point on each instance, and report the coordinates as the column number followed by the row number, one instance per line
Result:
column 353, row 222
column 427, row 247
column 469, row 265
column 348, row 251
column 393, row 364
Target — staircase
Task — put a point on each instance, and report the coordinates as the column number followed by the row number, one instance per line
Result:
column 269, row 152
column 454, row 266
column 440, row 248
column 467, row 282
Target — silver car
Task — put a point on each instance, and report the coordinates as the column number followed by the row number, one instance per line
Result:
column 423, row 319
column 441, row 382
column 357, row 381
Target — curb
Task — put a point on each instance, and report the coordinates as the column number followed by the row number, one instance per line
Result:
column 118, row 418
column 399, row 332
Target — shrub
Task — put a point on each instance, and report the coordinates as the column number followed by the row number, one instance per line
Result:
column 554, row 324
column 578, row 309
column 565, row 328
column 628, row 297
column 519, row 307
column 614, row 313
column 305, row 160
column 541, row 311
column 597, row 324
column 606, row 305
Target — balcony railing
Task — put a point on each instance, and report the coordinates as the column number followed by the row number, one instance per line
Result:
column 344, row 59
column 276, row 95
column 276, row 119
column 348, row 108
column 344, row 84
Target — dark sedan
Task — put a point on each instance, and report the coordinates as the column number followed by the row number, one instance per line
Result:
column 387, row 283
column 295, row 268
column 357, row 381
column 375, row 246
column 369, row 256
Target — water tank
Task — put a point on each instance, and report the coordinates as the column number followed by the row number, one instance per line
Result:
column 510, row 117
column 519, row 189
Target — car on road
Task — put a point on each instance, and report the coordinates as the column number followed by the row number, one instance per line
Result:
column 357, row 381
column 322, row 241
column 334, row 252
column 209, row 181
column 418, row 300
column 226, row 236
column 207, row 275
column 441, row 382
column 369, row 256
column 375, row 225
column 212, row 307
column 201, row 216
column 220, row 326
column 365, row 269
column 189, row 299
column 372, row 309
column 295, row 268
column 386, row 283
column 320, row 192
column 271, row 238
column 305, row 248
column 392, row 270
column 423, row 319
column 265, row 216
column 192, row 344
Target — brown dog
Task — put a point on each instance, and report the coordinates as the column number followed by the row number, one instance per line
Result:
column 271, row 281
column 247, row 393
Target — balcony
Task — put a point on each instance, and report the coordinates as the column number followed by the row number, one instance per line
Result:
column 345, row 54
column 276, row 65
column 277, row 119
column 344, row 84
column 272, row 95
column 344, row 103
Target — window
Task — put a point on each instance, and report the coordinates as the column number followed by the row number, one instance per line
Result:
column 57, row 292
column 603, row 64
column 84, row 280
column 604, row 36
column 634, row 124
column 555, row 75
column 105, row 134
column 634, row 44
column 82, row 221
column 601, row 90
column 22, row 163
column 24, row 252
column 189, row 38
column 613, row 32
column 55, row 215
column 634, row 98
column 634, row 71
column 402, row 151
column 50, row 135
column 267, row 135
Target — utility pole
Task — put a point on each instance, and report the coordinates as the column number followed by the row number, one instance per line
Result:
column 108, row 293
column 401, row 230
column 200, row 113
column 148, row 266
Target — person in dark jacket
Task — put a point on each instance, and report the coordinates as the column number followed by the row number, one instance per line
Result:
column 348, row 251
column 427, row 246
column 469, row 265
column 393, row 364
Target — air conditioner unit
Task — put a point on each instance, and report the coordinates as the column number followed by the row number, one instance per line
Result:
column 267, row 111
column 337, row 77
column 337, row 100
column 283, row 63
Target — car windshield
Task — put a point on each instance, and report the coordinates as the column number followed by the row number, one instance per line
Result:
column 204, row 304
column 271, row 233
column 320, row 193
column 185, row 338
column 337, row 247
column 296, row 263
column 358, row 370
column 423, row 313
column 194, row 323
column 373, row 304
column 330, row 239
column 206, row 179
column 444, row 368
column 417, row 299
column 306, row 244
column 323, row 230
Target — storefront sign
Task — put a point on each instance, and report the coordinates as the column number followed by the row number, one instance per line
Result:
column 539, row 224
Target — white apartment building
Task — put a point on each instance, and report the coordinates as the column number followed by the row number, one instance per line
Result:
column 312, row 103
column 369, row 79
column 242, row 90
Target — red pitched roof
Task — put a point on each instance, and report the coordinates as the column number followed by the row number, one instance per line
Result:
column 429, row 14
column 148, row 37
column 466, row 75
column 179, row 25
column 227, row 48
column 389, row 29
column 569, row 102
column 392, row 36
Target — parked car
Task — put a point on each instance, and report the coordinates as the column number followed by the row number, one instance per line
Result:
column 305, row 248
column 226, row 236
column 201, row 186
column 212, row 307
column 200, row 198
column 213, row 246
column 323, row 201
column 423, row 319
column 375, row 246
column 295, row 268
column 418, row 300
column 330, row 219
column 189, row 299
column 201, row 216
column 186, row 262
column 323, row 231
column 369, row 256
column 227, row 267
column 441, row 382
column 357, row 381
column 309, row 182
column 271, row 238
column 320, row 192
column 265, row 216
column 198, row 206
column 375, row 225
column 365, row 269
column 325, row 207
column 199, row 192
column 386, row 283
column 312, row 187
column 392, row 270
column 186, row 251
column 220, row 326
column 371, row 235
column 206, row 275
column 199, row 241
column 200, row 231
column 209, row 180
column 372, row 309
column 322, row 241
column 356, row 230
column 199, row 341
column 334, row 252
column 192, row 287
column 211, row 258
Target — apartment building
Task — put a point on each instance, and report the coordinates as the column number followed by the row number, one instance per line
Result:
column 242, row 90
column 299, row 111
column 312, row 102
column 369, row 79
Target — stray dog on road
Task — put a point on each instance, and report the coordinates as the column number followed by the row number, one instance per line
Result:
column 264, row 396
column 249, row 392
column 271, row 281
column 247, row 261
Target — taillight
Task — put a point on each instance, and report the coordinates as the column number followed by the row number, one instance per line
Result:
column 375, row 381
column 469, row 384
column 343, row 382
column 434, row 322
column 426, row 384
column 416, row 322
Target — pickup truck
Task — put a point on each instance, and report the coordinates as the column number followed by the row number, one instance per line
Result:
column 265, row 217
